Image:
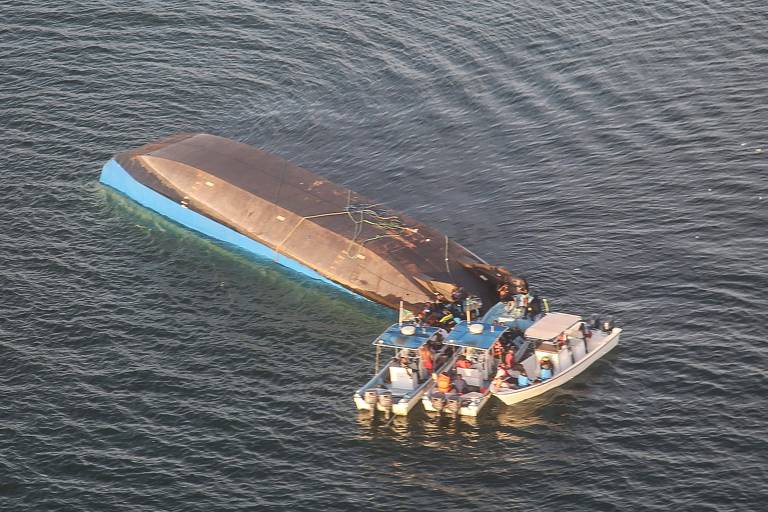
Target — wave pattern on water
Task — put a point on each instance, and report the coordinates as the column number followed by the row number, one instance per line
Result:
column 613, row 153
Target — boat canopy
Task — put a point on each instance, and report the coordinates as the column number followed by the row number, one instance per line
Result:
column 394, row 337
column 551, row 325
column 462, row 336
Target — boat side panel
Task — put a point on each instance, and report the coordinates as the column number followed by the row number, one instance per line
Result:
column 116, row 177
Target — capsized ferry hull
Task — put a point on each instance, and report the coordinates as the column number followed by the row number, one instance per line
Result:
column 274, row 209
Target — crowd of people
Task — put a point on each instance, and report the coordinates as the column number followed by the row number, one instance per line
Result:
column 445, row 313
column 505, row 378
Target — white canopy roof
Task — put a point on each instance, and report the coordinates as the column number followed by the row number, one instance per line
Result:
column 551, row 325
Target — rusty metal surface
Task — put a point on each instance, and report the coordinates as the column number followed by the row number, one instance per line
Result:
column 377, row 252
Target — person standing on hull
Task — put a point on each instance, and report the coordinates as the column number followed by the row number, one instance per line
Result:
column 505, row 292
column 458, row 296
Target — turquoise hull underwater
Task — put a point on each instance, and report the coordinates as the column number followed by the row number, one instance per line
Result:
column 114, row 176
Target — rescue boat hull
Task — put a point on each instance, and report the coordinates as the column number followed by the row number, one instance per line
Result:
column 513, row 396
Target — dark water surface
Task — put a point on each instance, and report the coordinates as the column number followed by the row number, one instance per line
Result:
column 615, row 153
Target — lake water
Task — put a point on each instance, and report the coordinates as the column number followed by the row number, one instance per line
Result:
column 614, row 153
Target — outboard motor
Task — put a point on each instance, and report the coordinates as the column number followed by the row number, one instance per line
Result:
column 385, row 400
column 371, row 396
column 438, row 401
column 453, row 404
column 608, row 325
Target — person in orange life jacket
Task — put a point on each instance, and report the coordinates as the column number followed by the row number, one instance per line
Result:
column 426, row 359
column 522, row 380
column 545, row 369
column 463, row 362
column 444, row 383
column 562, row 340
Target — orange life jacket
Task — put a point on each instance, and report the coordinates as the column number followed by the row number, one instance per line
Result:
column 443, row 383
column 426, row 357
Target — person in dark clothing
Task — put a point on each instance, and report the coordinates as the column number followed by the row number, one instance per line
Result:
column 534, row 308
column 505, row 292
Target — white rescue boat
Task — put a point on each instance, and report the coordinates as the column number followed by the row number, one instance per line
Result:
column 474, row 341
column 567, row 342
column 399, row 385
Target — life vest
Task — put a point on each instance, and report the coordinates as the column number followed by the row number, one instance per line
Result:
column 426, row 358
column 509, row 358
column 545, row 373
column 523, row 381
column 443, row 383
column 545, row 305
column 498, row 350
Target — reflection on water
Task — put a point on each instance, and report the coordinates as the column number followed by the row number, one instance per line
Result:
column 496, row 419
column 297, row 290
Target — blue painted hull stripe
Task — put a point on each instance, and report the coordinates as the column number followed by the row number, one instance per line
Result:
column 116, row 177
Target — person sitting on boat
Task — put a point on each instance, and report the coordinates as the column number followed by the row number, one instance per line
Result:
column 502, row 373
column 545, row 369
column 460, row 385
column 443, row 383
column 509, row 357
column 562, row 340
column 522, row 379
column 497, row 350
column 499, row 384
column 405, row 363
column 463, row 362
